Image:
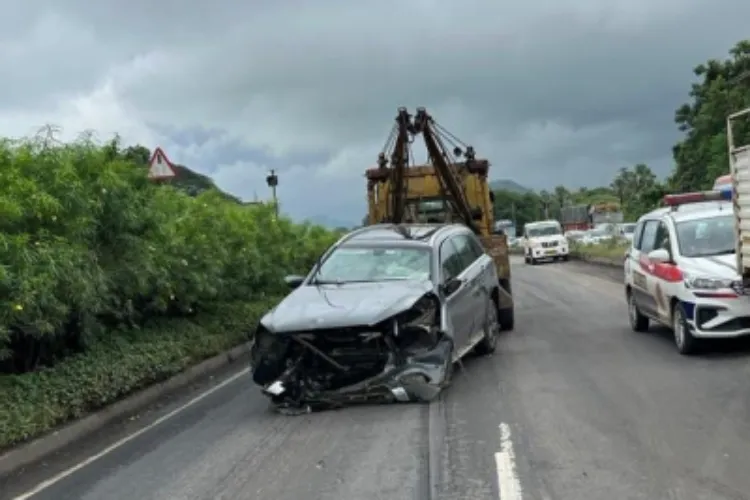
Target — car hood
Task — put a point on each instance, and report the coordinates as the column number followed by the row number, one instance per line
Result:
column 315, row 307
column 719, row 266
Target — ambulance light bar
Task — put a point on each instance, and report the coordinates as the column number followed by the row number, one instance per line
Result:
column 675, row 200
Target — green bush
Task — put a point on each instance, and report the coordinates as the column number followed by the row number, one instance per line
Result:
column 612, row 250
column 109, row 281
column 34, row 403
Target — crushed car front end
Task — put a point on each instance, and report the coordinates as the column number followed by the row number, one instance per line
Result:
column 404, row 357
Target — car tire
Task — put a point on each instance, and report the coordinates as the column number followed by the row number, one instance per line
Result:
column 488, row 344
column 685, row 341
column 638, row 322
column 565, row 258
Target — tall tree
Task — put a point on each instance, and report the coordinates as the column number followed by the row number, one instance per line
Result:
column 724, row 88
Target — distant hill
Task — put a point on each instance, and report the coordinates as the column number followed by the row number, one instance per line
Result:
column 187, row 180
column 194, row 183
column 508, row 185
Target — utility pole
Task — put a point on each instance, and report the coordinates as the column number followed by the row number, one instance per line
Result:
column 273, row 180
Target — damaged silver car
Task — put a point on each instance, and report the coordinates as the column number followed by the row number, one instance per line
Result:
column 382, row 317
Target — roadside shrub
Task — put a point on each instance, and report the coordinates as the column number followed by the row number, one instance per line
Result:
column 612, row 250
column 34, row 403
column 90, row 248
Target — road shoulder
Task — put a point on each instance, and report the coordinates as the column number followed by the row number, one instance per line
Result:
column 79, row 433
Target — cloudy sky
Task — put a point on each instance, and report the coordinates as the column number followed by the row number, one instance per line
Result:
column 551, row 92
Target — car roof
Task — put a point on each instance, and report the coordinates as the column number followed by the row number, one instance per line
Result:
column 409, row 234
column 692, row 211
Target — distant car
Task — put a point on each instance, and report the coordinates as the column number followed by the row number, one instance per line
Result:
column 681, row 271
column 574, row 235
column 626, row 231
column 596, row 236
column 381, row 317
column 544, row 240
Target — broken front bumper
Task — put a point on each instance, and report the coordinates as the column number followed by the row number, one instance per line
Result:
column 315, row 371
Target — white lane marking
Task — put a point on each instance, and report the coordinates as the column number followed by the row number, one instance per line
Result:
column 507, row 478
column 109, row 449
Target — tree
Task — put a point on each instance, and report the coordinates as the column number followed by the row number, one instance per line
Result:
column 724, row 89
column 637, row 190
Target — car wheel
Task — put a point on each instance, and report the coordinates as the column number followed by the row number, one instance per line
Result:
column 565, row 258
column 638, row 322
column 488, row 343
column 684, row 340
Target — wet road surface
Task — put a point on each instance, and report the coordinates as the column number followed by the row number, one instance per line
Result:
column 573, row 405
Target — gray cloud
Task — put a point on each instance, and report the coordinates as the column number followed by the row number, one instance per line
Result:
column 551, row 93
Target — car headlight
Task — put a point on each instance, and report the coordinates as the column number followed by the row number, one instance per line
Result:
column 423, row 314
column 706, row 282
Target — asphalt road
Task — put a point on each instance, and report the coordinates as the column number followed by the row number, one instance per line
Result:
column 573, row 405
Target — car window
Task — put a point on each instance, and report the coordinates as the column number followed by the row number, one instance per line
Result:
column 544, row 230
column 637, row 235
column 469, row 252
column 477, row 245
column 376, row 263
column 451, row 262
column 648, row 239
column 706, row 237
column 662, row 237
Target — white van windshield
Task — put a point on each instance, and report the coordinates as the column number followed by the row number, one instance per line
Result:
column 546, row 230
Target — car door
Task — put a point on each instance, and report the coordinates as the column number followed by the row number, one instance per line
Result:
column 475, row 267
column 631, row 256
column 458, row 302
column 664, row 274
column 643, row 268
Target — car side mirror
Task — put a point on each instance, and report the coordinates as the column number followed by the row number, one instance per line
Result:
column 660, row 256
column 294, row 280
column 449, row 287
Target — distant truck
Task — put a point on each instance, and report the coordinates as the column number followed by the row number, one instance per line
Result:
column 739, row 173
column 584, row 217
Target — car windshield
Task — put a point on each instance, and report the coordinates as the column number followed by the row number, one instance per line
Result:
column 628, row 228
column 377, row 263
column 548, row 230
column 706, row 237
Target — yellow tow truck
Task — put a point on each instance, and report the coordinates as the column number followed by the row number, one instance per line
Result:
column 451, row 188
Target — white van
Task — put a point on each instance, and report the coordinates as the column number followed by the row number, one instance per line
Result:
column 544, row 240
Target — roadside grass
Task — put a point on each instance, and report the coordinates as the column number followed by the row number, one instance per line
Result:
column 613, row 251
column 35, row 403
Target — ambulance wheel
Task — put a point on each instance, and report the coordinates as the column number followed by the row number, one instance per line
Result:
column 683, row 338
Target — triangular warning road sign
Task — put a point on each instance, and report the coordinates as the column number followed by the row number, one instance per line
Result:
column 160, row 167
